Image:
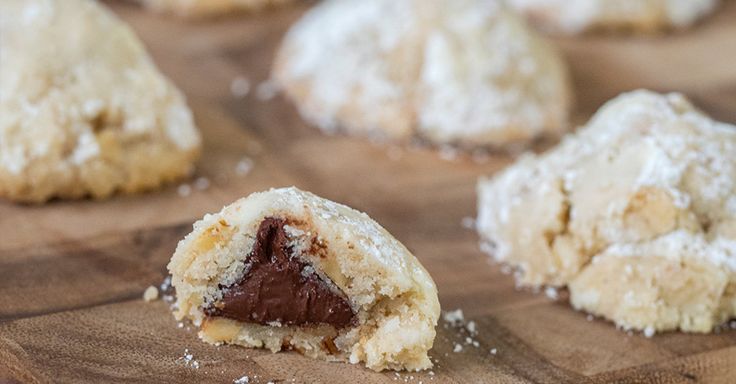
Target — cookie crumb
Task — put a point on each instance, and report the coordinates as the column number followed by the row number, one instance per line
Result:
column 448, row 152
column 267, row 90
column 167, row 291
column 244, row 166
column 455, row 317
column 551, row 293
column 487, row 247
column 188, row 360
column 150, row 294
column 184, row 190
column 494, row 351
column 240, row 87
column 649, row 331
column 468, row 222
column 166, row 284
column 202, row 183
column 471, row 327
column 242, row 380
column 458, row 348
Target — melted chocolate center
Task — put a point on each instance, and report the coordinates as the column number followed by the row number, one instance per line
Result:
column 280, row 287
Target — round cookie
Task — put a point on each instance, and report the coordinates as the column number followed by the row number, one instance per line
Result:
column 285, row 269
column 83, row 109
column 635, row 213
column 576, row 16
column 465, row 72
column 203, row 8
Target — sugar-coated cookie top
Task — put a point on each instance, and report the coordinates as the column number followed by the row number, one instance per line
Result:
column 640, row 151
column 336, row 219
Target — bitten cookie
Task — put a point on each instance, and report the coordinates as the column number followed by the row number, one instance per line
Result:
column 285, row 269
column 203, row 8
column 465, row 72
column 635, row 213
column 83, row 109
column 576, row 16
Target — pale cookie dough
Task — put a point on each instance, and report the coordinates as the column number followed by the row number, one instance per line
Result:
column 577, row 16
column 466, row 72
column 200, row 8
column 287, row 270
column 83, row 109
column 635, row 213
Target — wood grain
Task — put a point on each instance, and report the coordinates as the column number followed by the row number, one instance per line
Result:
column 72, row 273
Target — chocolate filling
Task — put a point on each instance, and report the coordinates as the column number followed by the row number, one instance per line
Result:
column 280, row 287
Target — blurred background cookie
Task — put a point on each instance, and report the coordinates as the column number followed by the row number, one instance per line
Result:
column 464, row 72
column 83, row 109
column 202, row 8
column 576, row 16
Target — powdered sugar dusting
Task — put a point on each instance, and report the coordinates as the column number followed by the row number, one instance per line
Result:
column 87, row 148
column 373, row 239
column 679, row 151
column 454, row 75
column 720, row 252
column 361, row 32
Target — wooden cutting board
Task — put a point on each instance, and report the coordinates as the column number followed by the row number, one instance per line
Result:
column 72, row 273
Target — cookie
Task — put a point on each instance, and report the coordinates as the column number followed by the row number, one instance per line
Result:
column 577, row 16
column 204, row 8
column 83, row 109
column 635, row 214
column 287, row 270
column 465, row 72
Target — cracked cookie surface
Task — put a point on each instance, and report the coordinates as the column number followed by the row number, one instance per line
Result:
column 466, row 72
column 83, row 109
column 635, row 213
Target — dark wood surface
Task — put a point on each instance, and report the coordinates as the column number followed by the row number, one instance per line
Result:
column 72, row 273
